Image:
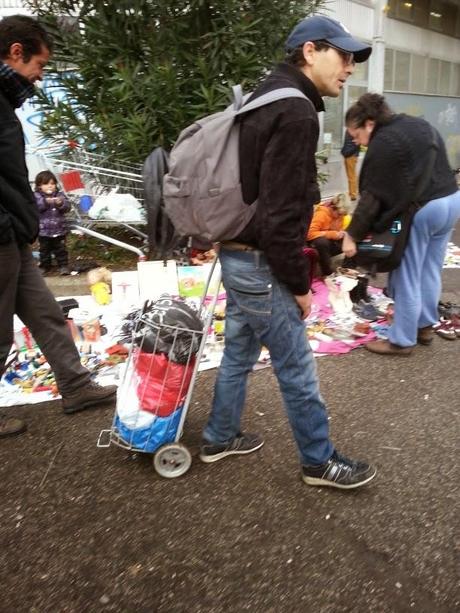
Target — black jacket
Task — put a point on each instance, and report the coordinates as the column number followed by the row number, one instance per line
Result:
column 394, row 163
column 278, row 168
column 18, row 211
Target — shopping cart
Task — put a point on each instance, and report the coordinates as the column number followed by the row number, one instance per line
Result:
column 158, row 381
column 82, row 172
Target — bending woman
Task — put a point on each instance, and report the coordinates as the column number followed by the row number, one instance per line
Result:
column 397, row 156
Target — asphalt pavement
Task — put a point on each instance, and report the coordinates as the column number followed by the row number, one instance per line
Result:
column 88, row 529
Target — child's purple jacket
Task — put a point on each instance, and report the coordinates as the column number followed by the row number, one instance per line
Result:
column 52, row 218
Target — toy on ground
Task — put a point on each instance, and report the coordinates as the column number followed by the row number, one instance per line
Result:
column 100, row 281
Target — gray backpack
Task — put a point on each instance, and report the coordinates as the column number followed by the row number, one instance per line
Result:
column 202, row 190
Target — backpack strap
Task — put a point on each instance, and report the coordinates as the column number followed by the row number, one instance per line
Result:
column 273, row 96
column 238, row 99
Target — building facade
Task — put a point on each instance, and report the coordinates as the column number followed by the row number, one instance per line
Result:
column 415, row 63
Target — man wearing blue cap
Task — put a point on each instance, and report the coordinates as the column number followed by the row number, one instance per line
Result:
column 264, row 270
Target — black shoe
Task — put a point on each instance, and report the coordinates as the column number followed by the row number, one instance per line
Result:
column 241, row 444
column 339, row 472
column 88, row 396
column 11, row 426
column 64, row 271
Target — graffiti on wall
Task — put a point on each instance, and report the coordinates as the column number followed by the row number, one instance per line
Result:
column 30, row 115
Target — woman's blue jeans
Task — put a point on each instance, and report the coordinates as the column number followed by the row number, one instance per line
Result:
column 261, row 311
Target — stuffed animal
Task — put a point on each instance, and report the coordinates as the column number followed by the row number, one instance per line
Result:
column 100, row 281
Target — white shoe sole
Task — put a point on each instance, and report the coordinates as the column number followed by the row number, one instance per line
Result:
column 208, row 459
column 325, row 483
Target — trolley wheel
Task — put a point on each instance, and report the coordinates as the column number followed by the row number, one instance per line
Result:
column 172, row 460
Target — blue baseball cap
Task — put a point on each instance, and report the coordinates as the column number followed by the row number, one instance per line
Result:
column 324, row 28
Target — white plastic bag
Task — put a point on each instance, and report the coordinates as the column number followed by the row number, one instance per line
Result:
column 117, row 207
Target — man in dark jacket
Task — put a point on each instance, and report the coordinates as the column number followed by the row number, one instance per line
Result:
column 264, row 270
column 25, row 48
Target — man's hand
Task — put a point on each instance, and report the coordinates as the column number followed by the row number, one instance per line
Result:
column 304, row 303
column 349, row 246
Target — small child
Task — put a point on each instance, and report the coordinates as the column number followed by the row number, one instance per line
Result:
column 52, row 206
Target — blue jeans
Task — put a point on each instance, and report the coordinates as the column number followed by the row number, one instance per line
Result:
column 416, row 285
column 261, row 311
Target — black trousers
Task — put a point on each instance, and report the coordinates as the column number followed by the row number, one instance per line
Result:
column 23, row 292
column 326, row 249
column 50, row 245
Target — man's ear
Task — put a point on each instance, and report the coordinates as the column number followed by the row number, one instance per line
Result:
column 308, row 51
column 16, row 51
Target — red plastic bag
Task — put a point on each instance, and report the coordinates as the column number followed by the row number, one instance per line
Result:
column 161, row 384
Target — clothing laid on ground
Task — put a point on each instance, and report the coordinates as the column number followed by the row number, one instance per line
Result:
column 277, row 164
column 400, row 150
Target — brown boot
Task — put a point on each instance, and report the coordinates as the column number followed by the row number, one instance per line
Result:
column 88, row 396
column 386, row 348
column 425, row 335
column 11, row 426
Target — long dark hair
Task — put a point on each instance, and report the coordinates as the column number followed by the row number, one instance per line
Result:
column 45, row 176
column 369, row 106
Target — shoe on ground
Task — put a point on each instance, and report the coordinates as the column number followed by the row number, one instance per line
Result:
column 425, row 335
column 339, row 472
column 242, row 444
column 383, row 347
column 64, row 271
column 367, row 310
column 455, row 321
column 11, row 426
column 89, row 396
column 445, row 329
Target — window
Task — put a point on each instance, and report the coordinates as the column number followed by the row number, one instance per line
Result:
column 444, row 78
column 418, row 70
column 402, row 9
column 409, row 72
column 354, row 92
column 402, row 71
column 438, row 15
column 432, row 78
column 389, row 69
column 455, row 83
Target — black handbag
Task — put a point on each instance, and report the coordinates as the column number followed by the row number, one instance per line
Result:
column 383, row 251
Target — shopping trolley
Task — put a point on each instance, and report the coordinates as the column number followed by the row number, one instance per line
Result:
column 158, row 381
column 96, row 175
